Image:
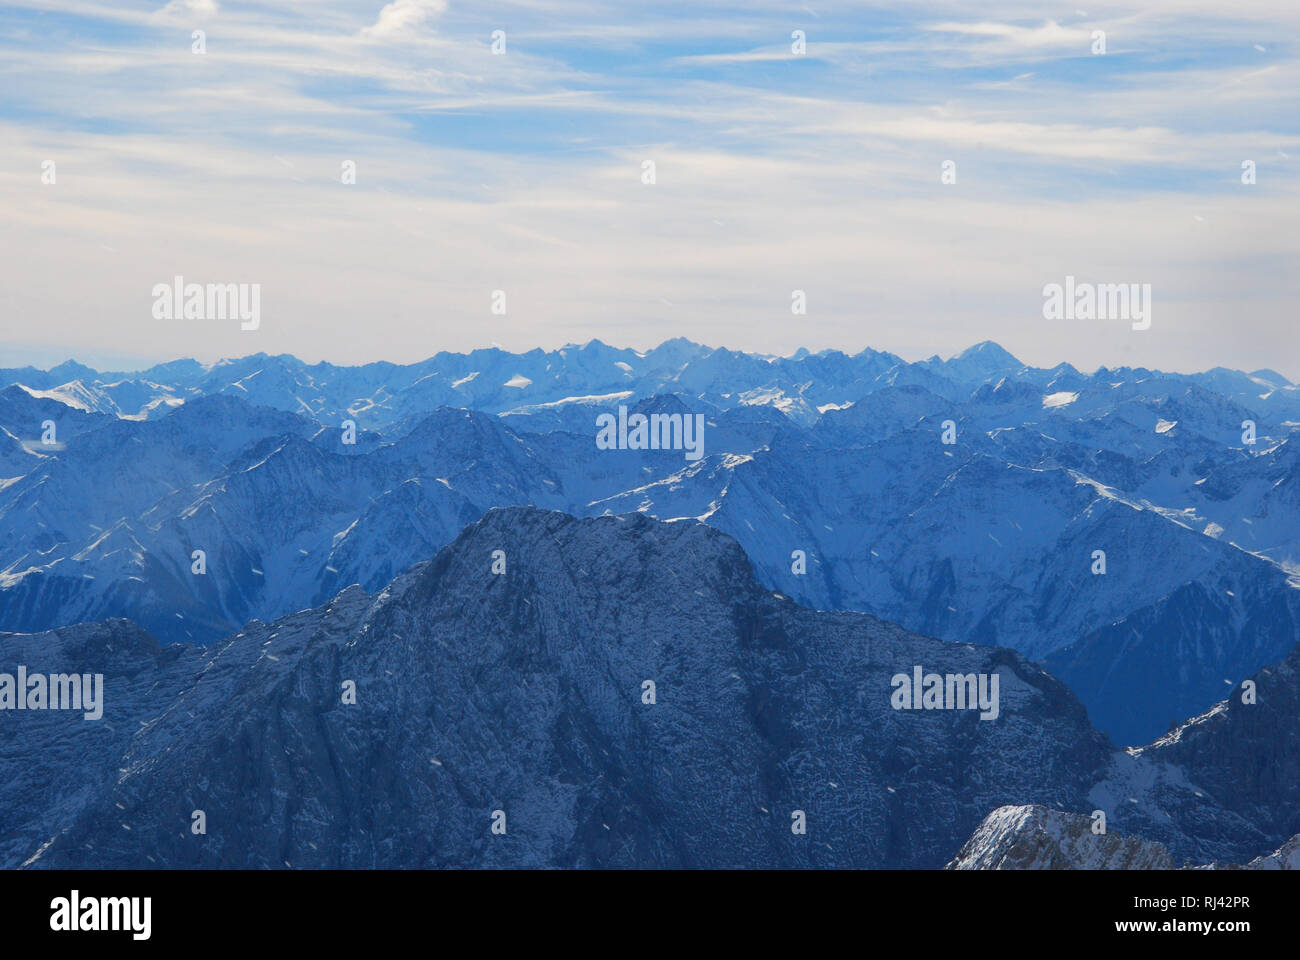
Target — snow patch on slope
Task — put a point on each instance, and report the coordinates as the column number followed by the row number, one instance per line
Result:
column 1061, row 399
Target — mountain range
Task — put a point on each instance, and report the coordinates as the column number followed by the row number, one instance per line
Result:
column 830, row 470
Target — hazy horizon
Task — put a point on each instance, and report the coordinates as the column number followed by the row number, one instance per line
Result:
column 137, row 369
column 504, row 148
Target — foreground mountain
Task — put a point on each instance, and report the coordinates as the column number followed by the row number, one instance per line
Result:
column 1222, row 788
column 1285, row 857
column 525, row 692
column 625, row 694
column 1243, row 754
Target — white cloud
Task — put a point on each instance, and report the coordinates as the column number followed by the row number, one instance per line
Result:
column 401, row 17
column 189, row 10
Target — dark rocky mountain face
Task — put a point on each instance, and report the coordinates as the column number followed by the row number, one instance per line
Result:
column 1244, row 754
column 523, row 692
column 526, row 692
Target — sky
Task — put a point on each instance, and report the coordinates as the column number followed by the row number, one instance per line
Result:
column 775, row 170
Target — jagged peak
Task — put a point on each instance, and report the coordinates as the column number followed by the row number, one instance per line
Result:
column 1034, row 837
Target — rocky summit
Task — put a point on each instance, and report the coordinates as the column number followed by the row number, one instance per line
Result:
column 549, row 691
column 624, row 694
column 1036, row 838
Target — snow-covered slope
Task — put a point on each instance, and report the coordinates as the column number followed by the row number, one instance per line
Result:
column 1030, row 837
column 1038, row 838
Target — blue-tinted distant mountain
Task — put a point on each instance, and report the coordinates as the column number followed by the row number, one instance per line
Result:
column 985, row 362
column 23, row 410
column 24, row 416
column 378, row 395
column 38, row 379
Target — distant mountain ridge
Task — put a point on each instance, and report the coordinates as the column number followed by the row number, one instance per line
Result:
column 493, row 380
